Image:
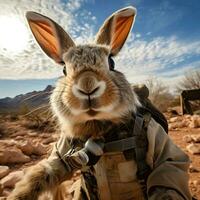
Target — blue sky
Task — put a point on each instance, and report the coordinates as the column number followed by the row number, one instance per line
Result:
column 165, row 40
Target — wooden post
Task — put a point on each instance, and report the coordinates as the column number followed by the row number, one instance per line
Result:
column 182, row 104
column 185, row 97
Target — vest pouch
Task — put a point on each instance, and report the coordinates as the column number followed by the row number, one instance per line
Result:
column 116, row 178
column 127, row 171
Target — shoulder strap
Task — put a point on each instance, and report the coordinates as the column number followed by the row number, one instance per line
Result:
column 143, row 169
column 140, row 152
column 136, row 146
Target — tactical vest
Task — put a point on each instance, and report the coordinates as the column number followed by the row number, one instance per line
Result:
column 121, row 172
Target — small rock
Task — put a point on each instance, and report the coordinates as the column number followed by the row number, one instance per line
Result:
column 9, row 142
column 196, row 138
column 174, row 119
column 183, row 124
column 177, row 125
column 4, row 170
column 49, row 140
column 32, row 134
column 13, row 156
column 196, row 183
column 1, row 190
column 39, row 149
column 193, row 169
column 195, row 121
column 20, row 133
column 26, row 147
column 187, row 116
column 19, row 137
column 171, row 127
column 12, row 179
column 187, row 138
column 194, row 148
column 45, row 135
column 6, row 192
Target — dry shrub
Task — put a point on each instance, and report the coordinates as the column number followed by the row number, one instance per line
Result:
column 159, row 94
column 24, row 109
column 14, row 117
column 39, row 121
column 191, row 80
column 6, row 131
column 3, row 131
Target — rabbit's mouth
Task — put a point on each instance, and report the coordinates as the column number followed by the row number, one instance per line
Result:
column 92, row 112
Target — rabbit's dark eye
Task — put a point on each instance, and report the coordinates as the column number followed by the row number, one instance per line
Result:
column 64, row 71
column 111, row 63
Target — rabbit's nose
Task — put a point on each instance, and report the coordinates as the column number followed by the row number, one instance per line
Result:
column 87, row 93
column 88, row 85
column 94, row 93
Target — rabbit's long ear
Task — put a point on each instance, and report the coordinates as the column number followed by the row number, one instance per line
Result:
column 116, row 28
column 51, row 37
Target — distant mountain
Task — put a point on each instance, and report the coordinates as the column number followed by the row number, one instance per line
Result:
column 25, row 101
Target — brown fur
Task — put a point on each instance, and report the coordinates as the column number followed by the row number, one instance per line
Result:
column 88, row 69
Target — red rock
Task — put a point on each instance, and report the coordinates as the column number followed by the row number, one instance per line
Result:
column 6, row 191
column 187, row 116
column 194, row 148
column 9, row 142
column 20, row 133
column 32, row 134
column 193, row 169
column 45, row 135
column 1, row 190
column 39, row 149
column 195, row 121
column 170, row 127
column 177, row 125
column 26, row 147
column 9, row 156
column 4, row 170
column 196, row 183
column 12, row 179
column 49, row 140
column 196, row 138
column 187, row 138
column 174, row 119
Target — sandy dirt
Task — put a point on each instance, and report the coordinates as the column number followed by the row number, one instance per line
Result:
column 177, row 136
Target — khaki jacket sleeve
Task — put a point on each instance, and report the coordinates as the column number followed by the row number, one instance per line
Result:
column 169, row 164
column 55, row 162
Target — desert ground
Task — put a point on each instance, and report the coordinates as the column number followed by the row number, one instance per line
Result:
column 24, row 142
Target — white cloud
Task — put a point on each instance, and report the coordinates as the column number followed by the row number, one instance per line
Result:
column 161, row 56
column 32, row 63
column 140, row 58
column 137, row 35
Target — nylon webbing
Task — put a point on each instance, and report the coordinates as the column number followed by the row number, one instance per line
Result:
column 138, row 125
column 140, row 153
column 121, row 145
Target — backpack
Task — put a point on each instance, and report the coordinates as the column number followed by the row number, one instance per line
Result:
column 143, row 93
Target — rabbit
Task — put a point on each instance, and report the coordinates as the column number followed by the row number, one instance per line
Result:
column 91, row 99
